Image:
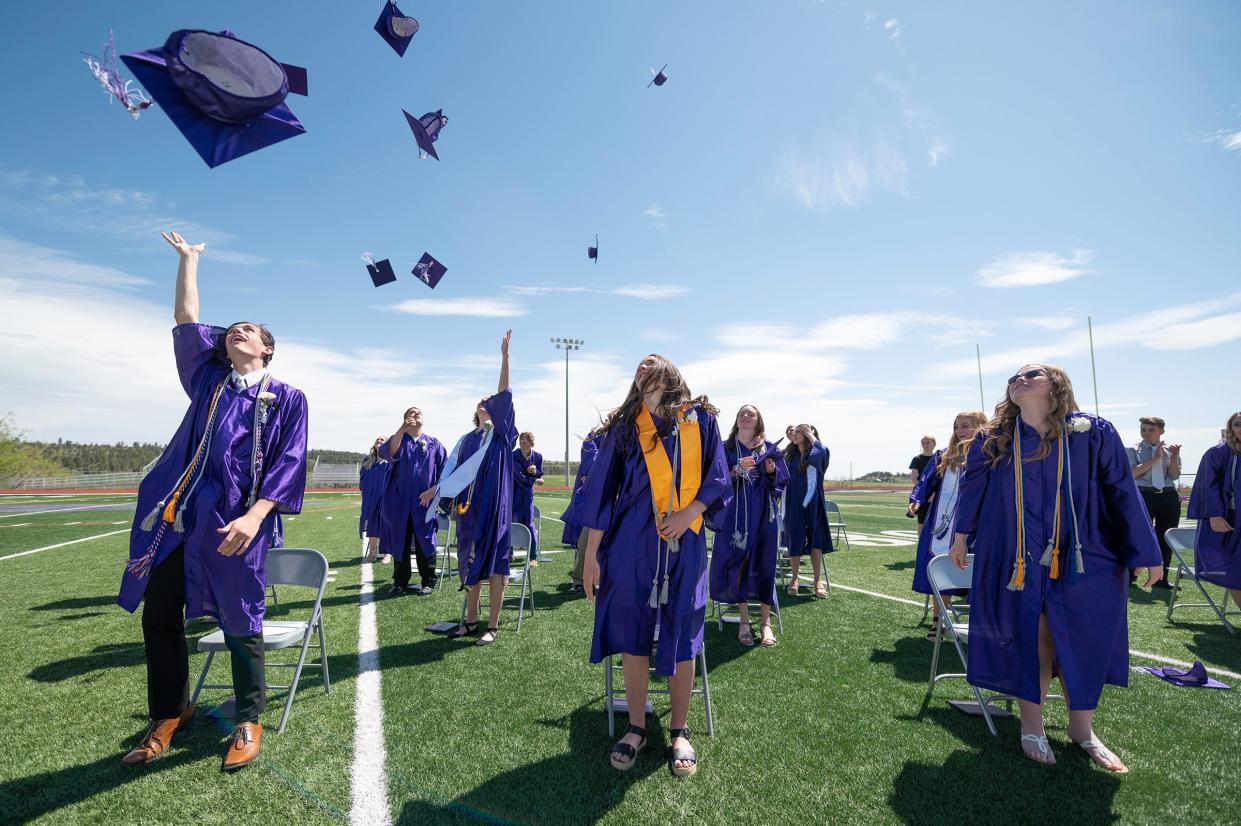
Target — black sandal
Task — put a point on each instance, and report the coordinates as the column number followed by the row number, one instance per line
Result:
column 623, row 749
column 933, row 633
column 685, row 754
column 466, row 629
column 495, row 635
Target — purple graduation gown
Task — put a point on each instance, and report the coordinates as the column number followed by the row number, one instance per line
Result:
column 1087, row 616
column 748, row 572
column 805, row 528
column 230, row 588
column 1217, row 556
column 926, row 494
column 617, row 500
column 523, row 493
column 415, row 467
column 371, row 482
column 572, row 530
column 483, row 545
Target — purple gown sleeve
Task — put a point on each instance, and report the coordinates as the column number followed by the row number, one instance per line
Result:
column 520, row 464
column 197, row 350
column 928, row 482
column 500, row 408
column 1130, row 535
column 972, row 488
column 1207, row 497
column 538, row 464
column 602, row 487
column 441, row 456
column 776, row 483
column 384, row 453
column 284, row 477
column 716, row 489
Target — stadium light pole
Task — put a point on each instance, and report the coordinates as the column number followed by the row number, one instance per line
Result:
column 567, row 344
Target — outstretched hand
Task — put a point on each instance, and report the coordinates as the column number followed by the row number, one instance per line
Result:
column 504, row 344
column 185, row 248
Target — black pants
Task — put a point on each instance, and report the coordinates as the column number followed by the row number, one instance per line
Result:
column 401, row 571
column 1164, row 507
column 167, row 652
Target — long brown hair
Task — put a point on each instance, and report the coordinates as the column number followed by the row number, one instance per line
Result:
column 675, row 395
column 1000, row 429
column 1228, row 436
column 953, row 457
column 760, row 428
column 794, row 452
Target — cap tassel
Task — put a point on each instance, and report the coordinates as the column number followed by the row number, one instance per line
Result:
column 1077, row 553
column 663, row 592
column 149, row 522
column 653, row 601
column 1055, row 565
column 178, row 524
column 1018, row 580
column 1049, row 555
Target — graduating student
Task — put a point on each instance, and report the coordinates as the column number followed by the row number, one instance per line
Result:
column 527, row 473
column 207, row 513
column 1213, row 502
column 805, row 507
column 479, row 476
column 937, row 494
column 743, row 558
column 573, row 533
column 660, row 470
column 408, row 527
column 372, row 480
column 1057, row 523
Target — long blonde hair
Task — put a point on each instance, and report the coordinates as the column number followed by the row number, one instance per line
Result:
column 1228, row 436
column 1000, row 429
column 953, row 457
column 675, row 395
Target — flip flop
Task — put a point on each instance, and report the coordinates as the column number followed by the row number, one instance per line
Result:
column 1100, row 753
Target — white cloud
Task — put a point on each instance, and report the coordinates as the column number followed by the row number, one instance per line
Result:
column 893, row 28
column 480, row 307
column 1028, row 269
column 651, row 292
column 656, row 213
column 644, row 292
column 1193, row 335
column 1055, row 323
column 1226, row 138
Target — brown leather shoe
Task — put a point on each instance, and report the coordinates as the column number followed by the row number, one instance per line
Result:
column 156, row 738
column 243, row 746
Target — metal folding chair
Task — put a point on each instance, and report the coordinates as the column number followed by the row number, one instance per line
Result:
column 520, row 537
column 723, row 615
column 1179, row 540
column 615, row 700
column 445, row 567
column 836, row 522
column 285, row 566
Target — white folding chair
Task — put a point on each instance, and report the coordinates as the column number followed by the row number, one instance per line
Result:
column 615, row 699
column 285, row 566
column 1179, row 540
column 836, row 522
column 520, row 537
column 445, row 566
column 733, row 617
column 945, row 576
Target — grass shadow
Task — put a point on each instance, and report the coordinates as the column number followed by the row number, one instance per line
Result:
column 904, row 565
column 110, row 655
column 910, row 658
column 76, row 603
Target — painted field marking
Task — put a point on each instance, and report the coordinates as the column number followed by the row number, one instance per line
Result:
column 63, row 544
column 369, row 780
column 57, row 510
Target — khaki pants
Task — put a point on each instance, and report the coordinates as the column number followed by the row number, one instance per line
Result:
column 579, row 558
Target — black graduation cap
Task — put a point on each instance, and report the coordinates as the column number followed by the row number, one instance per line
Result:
column 658, row 78
column 396, row 28
column 226, row 96
column 428, row 270
column 593, row 252
column 380, row 271
column 427, row 130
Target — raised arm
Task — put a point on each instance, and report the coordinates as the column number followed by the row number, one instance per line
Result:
column 503, row 385
column 185, row 308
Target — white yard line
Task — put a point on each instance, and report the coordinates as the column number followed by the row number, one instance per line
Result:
column 369, row 779
column 57, row 510
column 63, row 544
column 1159, row 658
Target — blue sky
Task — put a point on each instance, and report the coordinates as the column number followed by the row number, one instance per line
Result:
column 823, row 211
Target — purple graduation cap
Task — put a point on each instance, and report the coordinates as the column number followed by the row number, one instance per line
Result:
column 428, row 270
column 108, row 74
column 593, row 252
column 769, row 454
column 224, row 94
column 1196, row 676
column 658, row 78
column 396, row 28
column 380, row 271
column 427, row 130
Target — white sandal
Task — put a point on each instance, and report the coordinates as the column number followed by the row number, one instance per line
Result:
column 1097, row 750
column 1044, row 750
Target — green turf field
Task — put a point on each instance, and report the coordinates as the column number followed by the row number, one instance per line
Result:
column 827, row 727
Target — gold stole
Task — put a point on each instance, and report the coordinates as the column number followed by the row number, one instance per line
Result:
column 659, row 469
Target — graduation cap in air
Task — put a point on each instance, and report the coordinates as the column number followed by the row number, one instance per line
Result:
column 658, row 78
column 593, row 252
column 224, row 94
column 428, row 270
column 1196, row 675
column 396, row 28
column 380, row 271
column 427, row 130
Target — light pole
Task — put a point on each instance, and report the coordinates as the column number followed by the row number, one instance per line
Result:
column 567, row 344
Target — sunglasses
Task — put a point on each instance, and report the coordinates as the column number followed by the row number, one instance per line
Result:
column 1029, row 375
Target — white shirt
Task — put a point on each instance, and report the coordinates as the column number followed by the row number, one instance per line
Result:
column 241, row 382
column 947, row 512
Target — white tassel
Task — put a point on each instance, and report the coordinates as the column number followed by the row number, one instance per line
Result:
column 149, row 522
column 663, row 593
column 653, row 602
column 178, row 524
column 1077, row 554
column 1045, row 559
